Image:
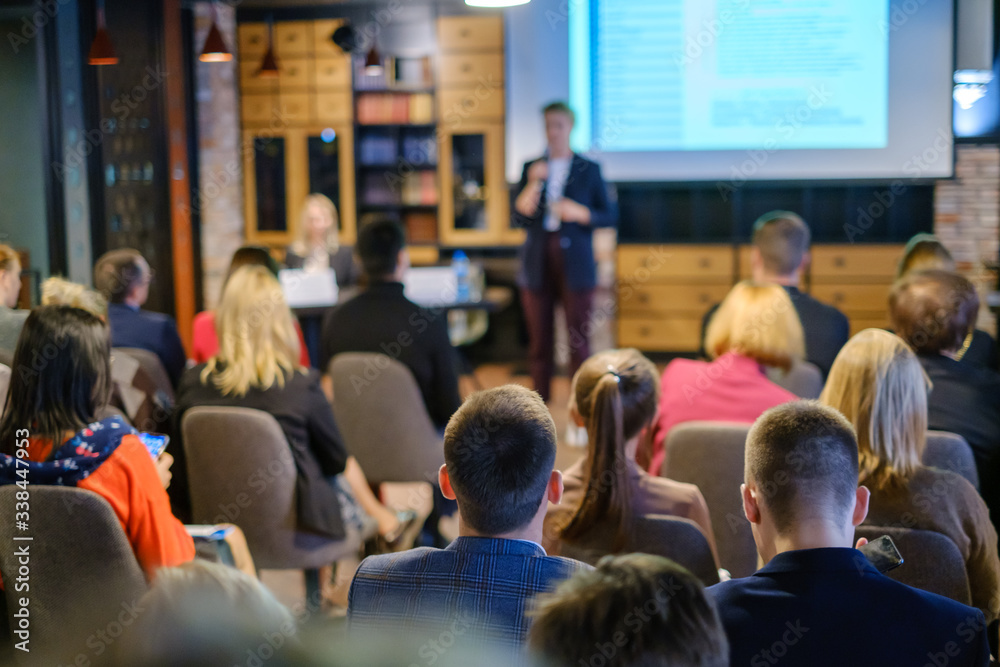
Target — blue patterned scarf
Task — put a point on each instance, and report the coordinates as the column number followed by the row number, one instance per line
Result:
column 75, row 459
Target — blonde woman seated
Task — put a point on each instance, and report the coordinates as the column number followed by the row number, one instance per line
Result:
column 878, row 384
column 318, row 246
column 755, row 326
column 257, row 367
column 614, row 394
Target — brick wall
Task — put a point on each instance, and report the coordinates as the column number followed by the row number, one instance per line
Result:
column 219, row 192
column 967, row 215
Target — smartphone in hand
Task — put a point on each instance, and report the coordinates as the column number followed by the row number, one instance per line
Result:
column 155, row 443
column 883, row 554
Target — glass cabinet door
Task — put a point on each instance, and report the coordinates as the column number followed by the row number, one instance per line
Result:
column 330, row 171
column 473, row 192
column 269, row 174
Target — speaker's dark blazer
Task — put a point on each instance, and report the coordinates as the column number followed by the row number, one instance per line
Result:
column 156, row 332
column 584, row 185
column 831, row 607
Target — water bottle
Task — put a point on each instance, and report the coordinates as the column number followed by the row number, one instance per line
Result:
column 460, row 265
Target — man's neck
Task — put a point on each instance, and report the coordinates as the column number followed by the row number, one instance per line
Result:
column 132, row 303
column 818, row 535
column 560, row 153
column 529, row 533
column 791, row 280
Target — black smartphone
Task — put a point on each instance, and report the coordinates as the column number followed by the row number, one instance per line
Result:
column 883, row 554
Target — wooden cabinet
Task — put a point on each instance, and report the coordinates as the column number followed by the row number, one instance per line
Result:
column 665, row 290
column 470, row 33
column 856, row 279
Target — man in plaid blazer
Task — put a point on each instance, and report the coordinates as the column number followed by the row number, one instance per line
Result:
column 500, row 448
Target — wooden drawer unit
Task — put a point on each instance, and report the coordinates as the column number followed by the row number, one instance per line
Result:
column 294, row 75
column 332, row 73
column 258, row 108
column 468, row 69
column 293, row 39
column 333, row 107
column 252, row 40
column 470, row 33
column 295, row 107
column 676, row 263
column 666, row 334
column 457, row 104
column 854, row 263
column 323, row 45
column 645, row 298
column 854, row 298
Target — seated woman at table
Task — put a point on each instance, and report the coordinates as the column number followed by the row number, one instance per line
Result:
column 755, row 326
column 877, row 382
column 615, row 395
column 318, row 246
column 67, row 445
column 205, row 341
column 255, row 367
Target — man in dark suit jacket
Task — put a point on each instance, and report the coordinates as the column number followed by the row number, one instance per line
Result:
column 123, row 277
column 560, row 200
column 934, row 311
column 817, row 601
column 780, row 253
column 499, row 451
column 381, row 319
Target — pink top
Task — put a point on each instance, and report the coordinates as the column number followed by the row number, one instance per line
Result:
column 205, row 342
column 731, row 388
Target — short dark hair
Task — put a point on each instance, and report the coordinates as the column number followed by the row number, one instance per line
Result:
column 803, row 457
column 252, row 255
column 634, row 610
column 559, row 107
column 72, row 383
column 500, row 449
column 117, row 272
column 933, row 310
column 782, row 237
column 379, row 243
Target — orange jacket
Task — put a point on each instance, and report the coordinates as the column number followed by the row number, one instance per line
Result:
column 128, row 480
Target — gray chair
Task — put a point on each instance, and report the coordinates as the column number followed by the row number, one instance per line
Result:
column 152, row 365
column 384, row 422
column 949, row 451
column 4, row 385
column 680, row 540
column 241, row 471
column 83, row 572
column 804, row 379
column 710, row 455
column 931, row 561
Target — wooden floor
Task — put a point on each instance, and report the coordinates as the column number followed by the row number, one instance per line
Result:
column 288, row 585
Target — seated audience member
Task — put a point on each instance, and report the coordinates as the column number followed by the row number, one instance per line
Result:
column 817, row 601
column 69, row 447
column 133, row 392
column 256, row 367
column 754, row 327
column 636, row 610
column 499, row 449
column 11, row 320
column 878, row 384
column 205, row 340
column 202, row 613
column 779, row 255
column 318, row 246
column 934, row 311
column 381, row 319
column 924, row 252
column 615, row 395
column 123, row 277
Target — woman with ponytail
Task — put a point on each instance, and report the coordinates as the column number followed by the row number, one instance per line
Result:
column 615, row 396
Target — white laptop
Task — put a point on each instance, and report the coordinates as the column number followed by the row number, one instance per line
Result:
column 309, row 289
column 430, row 286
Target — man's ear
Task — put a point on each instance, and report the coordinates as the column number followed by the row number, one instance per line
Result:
column 445, row 483
column 555, row 490
column 806, row 259
column 750, row 507
column 861, row 498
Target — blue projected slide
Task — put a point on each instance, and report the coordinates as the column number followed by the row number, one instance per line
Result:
column 688, row 75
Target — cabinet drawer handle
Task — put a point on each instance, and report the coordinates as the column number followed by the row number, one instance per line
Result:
column 643, row 297
column 704, row 262
column 704, row 298
column 466, row 67
column 839, row 262
column 839, row 297
column 464, row 32
column 645, row 331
